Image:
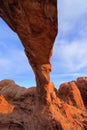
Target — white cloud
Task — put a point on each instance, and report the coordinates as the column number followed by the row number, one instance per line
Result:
column 70, row 50
column 70, row 14
column 69, row 59
column 73, row 8
column 70, row 56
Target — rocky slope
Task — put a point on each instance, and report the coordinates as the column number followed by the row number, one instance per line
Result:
column 20, row 109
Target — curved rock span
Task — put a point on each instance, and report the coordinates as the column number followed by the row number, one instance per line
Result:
column 35, row 22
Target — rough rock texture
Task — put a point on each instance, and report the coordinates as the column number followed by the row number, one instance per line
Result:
column 35, row 22
column 27, row 114
column 82, row 85
column 5, row 107
column 70, row 93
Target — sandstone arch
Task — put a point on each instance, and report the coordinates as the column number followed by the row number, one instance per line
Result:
column 35, row 22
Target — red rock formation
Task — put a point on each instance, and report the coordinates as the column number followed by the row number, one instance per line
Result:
column 5, row 107
column 69, row 93
column 27, row 115
column 82, row 86
column 35, row 22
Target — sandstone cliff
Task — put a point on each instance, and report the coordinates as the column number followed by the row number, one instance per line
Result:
column 19, row 108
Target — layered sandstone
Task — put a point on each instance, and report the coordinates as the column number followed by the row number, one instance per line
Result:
column 35, row 22
column 65, row 112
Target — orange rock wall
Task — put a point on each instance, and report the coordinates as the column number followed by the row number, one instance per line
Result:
column 66, row 111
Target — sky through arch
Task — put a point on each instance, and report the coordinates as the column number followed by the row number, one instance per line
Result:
column 13, row 61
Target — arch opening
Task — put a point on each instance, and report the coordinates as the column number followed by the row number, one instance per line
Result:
column 13, row 61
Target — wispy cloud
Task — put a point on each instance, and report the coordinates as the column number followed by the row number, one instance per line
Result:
column 69, row 59
column 71, row 14
column 71, row 45
column 70, row 56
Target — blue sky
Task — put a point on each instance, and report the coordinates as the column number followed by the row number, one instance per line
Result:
column 69, row 59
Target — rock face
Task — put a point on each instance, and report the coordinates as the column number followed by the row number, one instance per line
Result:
column 35, row 22
column 67, row 111
column 69, row 93
column 5, row 107
column 82, row 85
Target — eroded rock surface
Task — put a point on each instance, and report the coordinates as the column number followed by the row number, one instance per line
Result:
column 35, row 22
column 61, row 114
column 5, row 106
column 69, row 93
column 82, row 85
